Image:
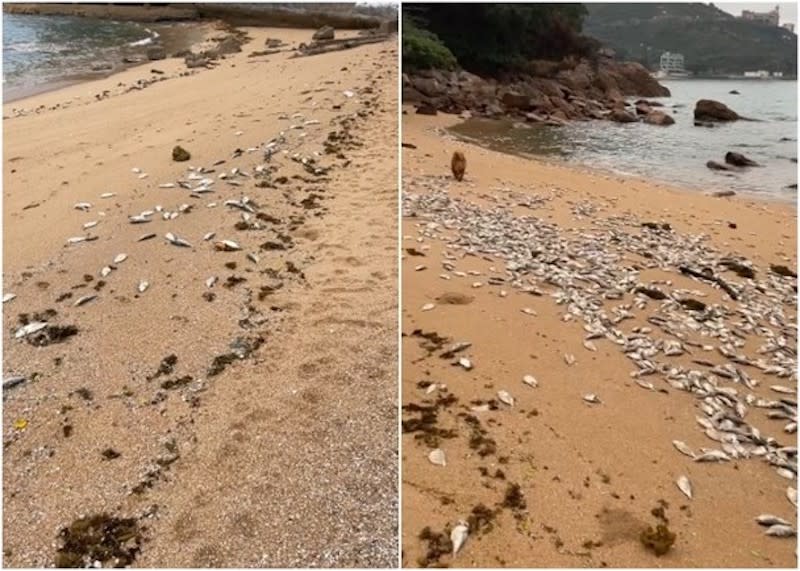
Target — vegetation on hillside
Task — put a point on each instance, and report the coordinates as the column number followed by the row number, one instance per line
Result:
column 493, row 39
column 712, row 41
column 424, row 50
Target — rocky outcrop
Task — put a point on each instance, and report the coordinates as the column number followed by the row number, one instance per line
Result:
column 324, row 33
column 710, row 110
column 552, row 92
column 659, row 118
column 156, row 53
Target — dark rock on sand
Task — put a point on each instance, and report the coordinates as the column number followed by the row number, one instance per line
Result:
column 102, row 66
column 715, row 166
column 710, row 110
column 324, row 33
column 739, row 160
column 156, row 53
column 426, row 109
column 734, row 92
column 179, row 154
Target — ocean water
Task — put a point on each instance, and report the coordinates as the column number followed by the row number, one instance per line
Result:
column 44, row 51
column 676, row 154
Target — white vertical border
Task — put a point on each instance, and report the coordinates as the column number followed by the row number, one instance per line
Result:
column 399, row 283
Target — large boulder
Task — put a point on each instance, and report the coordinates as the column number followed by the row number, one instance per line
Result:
column 228, row 45
column 514, row 100
column 156, row 53
column 739, row 160
column 710, row 110
column 622, row 116
column 658, row 118
column 427, row 86
column 324, row 33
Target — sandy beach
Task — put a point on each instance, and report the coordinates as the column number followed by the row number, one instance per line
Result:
column 555, row 391
column 230, row 402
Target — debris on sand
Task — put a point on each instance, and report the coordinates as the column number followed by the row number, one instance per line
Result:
column 179, row 154
column 99, row 540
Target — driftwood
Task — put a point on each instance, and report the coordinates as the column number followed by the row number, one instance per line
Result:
column 711, row 278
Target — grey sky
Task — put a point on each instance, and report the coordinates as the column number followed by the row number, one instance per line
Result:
column 788, row 9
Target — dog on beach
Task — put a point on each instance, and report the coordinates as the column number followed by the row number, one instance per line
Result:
column 458, row 164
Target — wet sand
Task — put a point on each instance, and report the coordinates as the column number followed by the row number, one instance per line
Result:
column 248, row 424
column 554, row 481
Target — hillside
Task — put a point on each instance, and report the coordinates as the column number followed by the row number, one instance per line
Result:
column 712, row 41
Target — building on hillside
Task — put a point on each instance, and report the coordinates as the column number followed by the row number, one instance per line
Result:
column 773, row 17
column 672, row 63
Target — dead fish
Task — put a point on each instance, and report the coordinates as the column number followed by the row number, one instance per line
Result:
column 459, row 536
column 143, row 285
column 84, row 206
column 76, row 239
column 211, row 281
column 780, row 530
column 226, row 246
column 84, row 300
column 29, row 329
column 91, row 224
column 506, row 398
column 569, row 358
column 437, row 457
column 785, row 473
column 139, row 219
column 592, row 398
column 480, row 408
column 8, row 297
column 770, row 520
column 712, row 456
column 144, row 237
column 420, row 268
column 530, row 380
column 590, row 346
column 428, row 306
column 143, row 175
column 119, row 258
column 465, row 363
column 167, row 185
column 645, row 384
column 791, row 494
column 683, row 448
column 685, row 486
column 252, row 257
column 175, row 241
column 108, row 195
column 209, row 236
column 136, row 170
column 782, row 389
column 529, row 311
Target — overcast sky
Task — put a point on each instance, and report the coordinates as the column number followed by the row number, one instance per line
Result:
column 788, row 9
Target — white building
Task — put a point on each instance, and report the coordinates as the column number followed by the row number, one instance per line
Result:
column 672, row 63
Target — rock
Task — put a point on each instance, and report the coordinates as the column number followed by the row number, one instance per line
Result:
column 643, row 108
column 425, row 109
column 622, row 116
column 734, row 92
column 658, row 118
column 715, row 166
column 648, row 103
column 514, row 100
column 228, row 45
column 723, row 193
column 156, row 53
column 133, row 59
column 707, row 124
column 102, row 66
column 428, row 86
column 739, row 160
column 710, row 110
column 273, row 43
column 196, row 60
column 179, row 154
column 324, row 33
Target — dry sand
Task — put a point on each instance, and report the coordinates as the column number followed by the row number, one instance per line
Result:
column 589, row 475
column 287, row 457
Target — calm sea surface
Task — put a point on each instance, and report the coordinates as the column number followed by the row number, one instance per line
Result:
column 676, row 154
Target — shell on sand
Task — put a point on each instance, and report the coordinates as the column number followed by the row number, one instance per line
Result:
column 591, row 398
column 437, row 457
column 506, row 398
column 211, row 281
column 428, row 306
column 530, row 380
column 142, row 287
column 105, row 271
column 84, row 300
column 465, row 363
column 569, row 358
column 685, row 486
column 791, row 494
column 459, row 536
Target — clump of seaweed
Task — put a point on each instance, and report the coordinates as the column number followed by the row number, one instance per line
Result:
column 437, row 545
column 658, row 540
column 114, row 542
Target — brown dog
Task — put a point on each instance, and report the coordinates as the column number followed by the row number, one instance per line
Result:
column 458, row 165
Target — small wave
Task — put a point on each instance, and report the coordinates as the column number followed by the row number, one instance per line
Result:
column 146, row 41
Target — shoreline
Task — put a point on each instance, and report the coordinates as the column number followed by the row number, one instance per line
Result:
column 551, row 478
column 446, row 121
